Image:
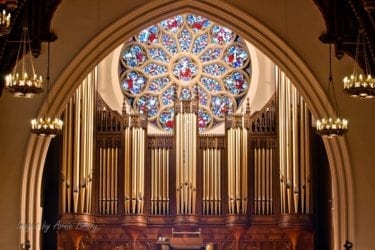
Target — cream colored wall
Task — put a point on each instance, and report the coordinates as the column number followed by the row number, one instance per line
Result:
column 75, row 24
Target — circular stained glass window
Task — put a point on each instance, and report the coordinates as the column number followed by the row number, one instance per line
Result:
column 185, row 55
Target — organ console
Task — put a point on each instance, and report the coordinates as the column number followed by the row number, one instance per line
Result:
column 248, row 188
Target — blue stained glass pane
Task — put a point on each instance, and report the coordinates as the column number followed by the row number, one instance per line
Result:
column 197, row 23
column 134, row 56
column 204, row 119
column 154, row 69
column 169, row 95
column 172, row 24
column 150, row 102
column 220, row 105
column 236, row 83
column 158, row 84
column 149, row 35
column 184, row 40
column 203, row 99
column 236, row 56
column 211, row 84
column 211, row 55
column 221, row 35
column 185, row 69
column 158, row 55
column 166, row 119
column 200, row 43
column 169, row 43
column 214, row 69
column 185, row 94
column 133, row 83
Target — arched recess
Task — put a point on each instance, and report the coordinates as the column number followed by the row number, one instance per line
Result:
column 243, row 24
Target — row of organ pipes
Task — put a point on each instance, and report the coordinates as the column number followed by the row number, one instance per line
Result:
column 134, row 163
column 294, row 148
column 160, row 181
column 120, row 159
column 186, row 155
column 77, row 156
column 108, row 178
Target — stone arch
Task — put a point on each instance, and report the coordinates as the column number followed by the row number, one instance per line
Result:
column 243, row 24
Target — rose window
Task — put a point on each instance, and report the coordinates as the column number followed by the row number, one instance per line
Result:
column 181, row 57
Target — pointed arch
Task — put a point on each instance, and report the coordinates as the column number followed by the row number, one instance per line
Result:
column 241, row 23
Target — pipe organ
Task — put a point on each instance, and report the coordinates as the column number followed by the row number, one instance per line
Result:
column 248, row 187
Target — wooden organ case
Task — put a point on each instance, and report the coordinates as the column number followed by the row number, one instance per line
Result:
column 247, row 189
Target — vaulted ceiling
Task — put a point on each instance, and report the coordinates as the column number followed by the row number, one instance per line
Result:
column 343, row 18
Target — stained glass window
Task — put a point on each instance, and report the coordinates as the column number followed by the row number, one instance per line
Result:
column 185, row 55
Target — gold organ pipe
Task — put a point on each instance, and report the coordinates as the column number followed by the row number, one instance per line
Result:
column 244, row 166
column 178, row 162
column 302, row 159
column 208, row 180
column 134, row 170
column 82, row 147
column 116, row 180
column 259, row 180
column 126, row 166
column 152, row 180
column 104, row 178
column 288, row 146
column 238, row 169
column 107, row 179
column 271, row 181
column 186, row 162
column 128, row 161
column 281, row 80
column 189, row 158
column 167, row 180
column 64, row 162
column 216, row 176
column 256, row 181
column 194, row 166
column 219, row 180
column 142, row 168
column 204, row 182
column 267, row 181
column 100, row 179
column 295, row 148
column 307, row 159
column 230, row 162
column 159, row 182
column 113, row 149
column 263, row 178
column 69, row 156
column 212, row 181
column 76, row 151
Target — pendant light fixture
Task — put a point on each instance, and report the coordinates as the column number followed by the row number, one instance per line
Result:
column 5, row 19
column 23, row 81
column 331, row 126
column 47, row 126
column 357, row 84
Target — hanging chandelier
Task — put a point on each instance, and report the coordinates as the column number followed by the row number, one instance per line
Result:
column 23, row 81
column 331, row 126
column 45, row 125
column 4, row 22
column 357, row 84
